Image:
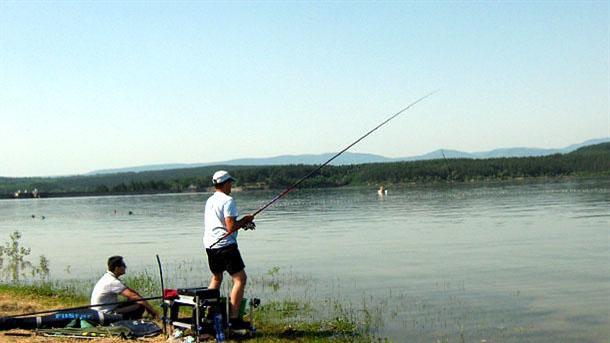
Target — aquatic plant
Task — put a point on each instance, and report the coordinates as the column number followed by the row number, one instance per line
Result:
column 144, row 283
column 13, row 262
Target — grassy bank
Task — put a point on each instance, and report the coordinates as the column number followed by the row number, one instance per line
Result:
column 28, row 290
column 276, row 321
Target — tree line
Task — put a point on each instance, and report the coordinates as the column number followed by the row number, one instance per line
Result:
column 587, row 161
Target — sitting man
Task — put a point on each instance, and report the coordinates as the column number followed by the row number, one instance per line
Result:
column 109, row 287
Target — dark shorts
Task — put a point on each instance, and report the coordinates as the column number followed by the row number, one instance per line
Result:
column 226, row 258
column 130, row 310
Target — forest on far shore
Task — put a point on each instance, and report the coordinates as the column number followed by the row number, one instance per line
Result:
column 589, row 161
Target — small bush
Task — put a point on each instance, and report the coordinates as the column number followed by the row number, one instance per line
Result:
column 14, row 265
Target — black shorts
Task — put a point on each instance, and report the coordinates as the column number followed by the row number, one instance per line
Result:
column 226, row 258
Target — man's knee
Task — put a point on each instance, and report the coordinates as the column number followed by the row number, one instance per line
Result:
column 132, row 311
column 240, row 277
column 216, row 280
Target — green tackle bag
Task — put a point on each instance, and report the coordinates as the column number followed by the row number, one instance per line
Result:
column 139, row 328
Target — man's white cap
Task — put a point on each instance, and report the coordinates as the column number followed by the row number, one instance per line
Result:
column 221, row 176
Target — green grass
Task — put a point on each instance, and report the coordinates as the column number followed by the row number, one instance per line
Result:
column 286, row 319
column 276, row 321
column 60, row 292
column 291, row 320
column 45, row 295
column 301, row 319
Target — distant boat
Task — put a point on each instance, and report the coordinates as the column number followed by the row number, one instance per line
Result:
column 382, row 191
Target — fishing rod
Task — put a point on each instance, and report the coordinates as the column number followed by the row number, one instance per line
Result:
column 308, row 175
column 163, row 303
column 79, row 307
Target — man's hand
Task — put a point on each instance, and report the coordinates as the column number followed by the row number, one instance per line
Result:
column 233, row 225
column 137, row 298
column 250, row 226
column 248, row 218
column 247, row 222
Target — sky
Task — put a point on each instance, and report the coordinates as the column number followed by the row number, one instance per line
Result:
column 88, row 85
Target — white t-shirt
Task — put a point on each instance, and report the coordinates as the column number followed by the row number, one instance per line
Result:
column 106, row 290
column 218, row 206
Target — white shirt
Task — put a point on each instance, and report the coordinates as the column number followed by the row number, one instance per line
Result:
column 106, row 290
column 217, row 208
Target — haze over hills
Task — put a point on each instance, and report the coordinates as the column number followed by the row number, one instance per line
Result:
column 360, row 158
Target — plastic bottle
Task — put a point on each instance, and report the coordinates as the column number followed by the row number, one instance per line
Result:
column 220, row 334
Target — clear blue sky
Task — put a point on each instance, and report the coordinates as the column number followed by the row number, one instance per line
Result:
column 93, row 85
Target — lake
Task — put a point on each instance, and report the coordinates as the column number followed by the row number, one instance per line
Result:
column 508, row 262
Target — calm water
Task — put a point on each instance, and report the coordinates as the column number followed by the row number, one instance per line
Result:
column 511, row 262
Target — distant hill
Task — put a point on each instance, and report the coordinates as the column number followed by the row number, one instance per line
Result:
column 587, row 161
column 344, row 159
column 602, row 148
column 503, row 152
column 357, row 158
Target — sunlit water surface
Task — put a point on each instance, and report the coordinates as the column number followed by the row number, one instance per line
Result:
column 502, row 262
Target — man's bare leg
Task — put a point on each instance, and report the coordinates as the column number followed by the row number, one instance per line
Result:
column 237, row 293
column 215, row 281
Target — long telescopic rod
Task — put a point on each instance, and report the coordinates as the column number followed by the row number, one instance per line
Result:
column 80, row 307
column 308, row 175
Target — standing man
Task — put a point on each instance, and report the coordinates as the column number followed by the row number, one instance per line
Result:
column 109, row 287
column 220, row 219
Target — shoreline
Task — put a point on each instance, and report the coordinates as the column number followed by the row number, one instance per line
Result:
column 249, row 188
column 273, row 323
column 587, row 162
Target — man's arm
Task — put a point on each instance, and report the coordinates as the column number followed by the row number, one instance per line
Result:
column 134, row 296
column 233, row 225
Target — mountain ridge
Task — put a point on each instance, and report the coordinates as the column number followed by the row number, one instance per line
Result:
column 358, row 158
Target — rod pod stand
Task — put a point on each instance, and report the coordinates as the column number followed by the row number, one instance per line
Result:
column 163, row 303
